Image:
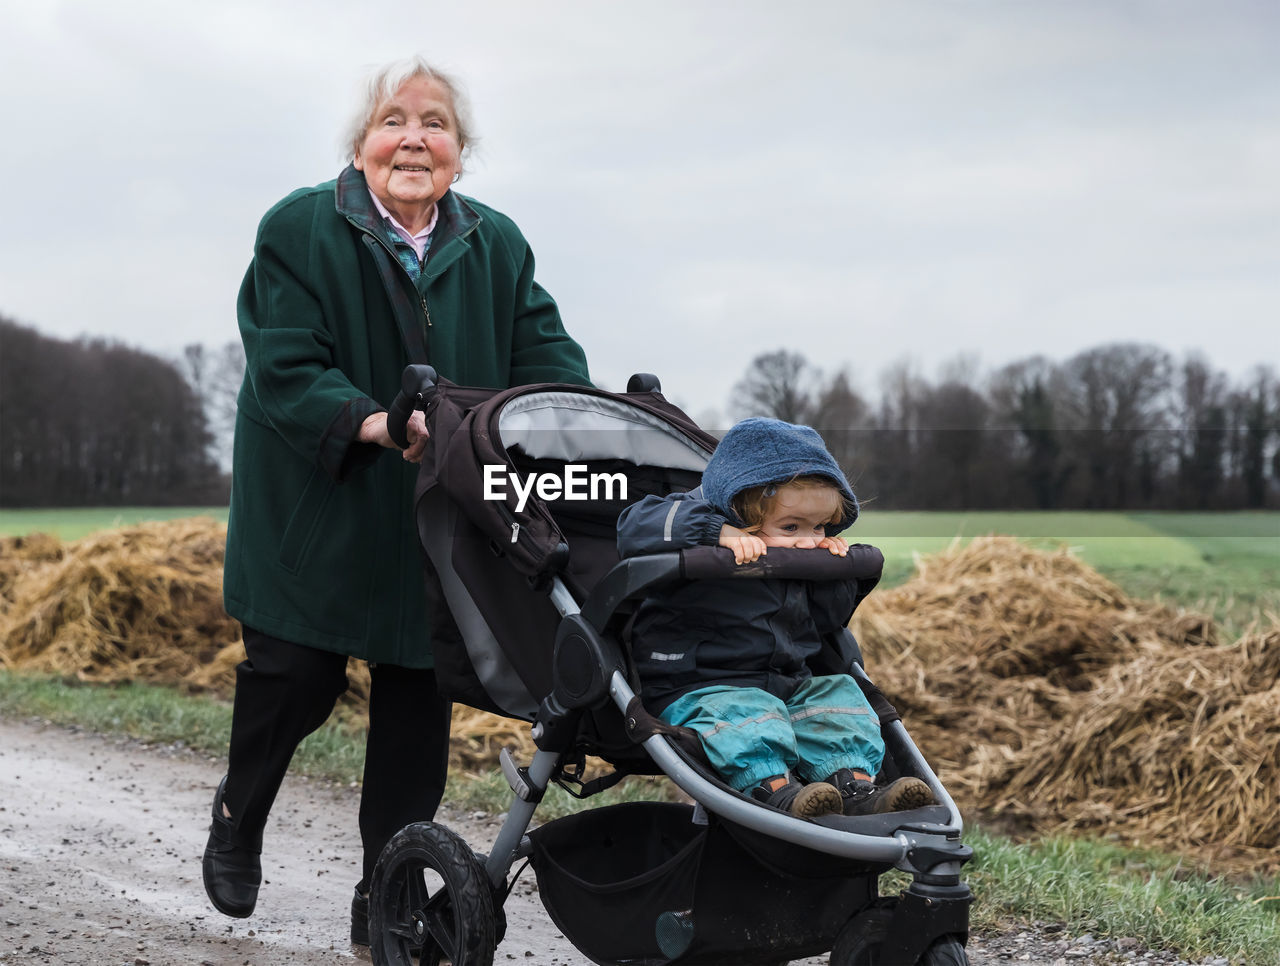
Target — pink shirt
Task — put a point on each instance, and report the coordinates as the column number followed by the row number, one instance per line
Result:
column 418, row 241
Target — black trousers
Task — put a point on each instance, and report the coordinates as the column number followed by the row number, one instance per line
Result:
column 286, row 691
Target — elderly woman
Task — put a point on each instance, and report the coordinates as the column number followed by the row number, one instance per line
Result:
column 351, row 281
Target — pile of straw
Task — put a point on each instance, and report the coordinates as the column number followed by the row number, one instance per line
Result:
column 139, row 604
column 1182, row 749
column 1041, row 692
column 1046, row 696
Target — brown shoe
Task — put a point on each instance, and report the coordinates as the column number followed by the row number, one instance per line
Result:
column 863, row 797
column 803, row 801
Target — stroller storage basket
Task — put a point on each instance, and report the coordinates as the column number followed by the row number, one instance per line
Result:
column 642, row 883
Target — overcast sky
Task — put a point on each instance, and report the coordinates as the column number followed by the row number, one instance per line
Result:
column 861, row 181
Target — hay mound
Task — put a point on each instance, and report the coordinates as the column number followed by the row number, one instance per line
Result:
column 1042, row 692
column 988, row 642
column 1174, row 748
column 1012, row 611
column 143, row 603
column 1037, row 688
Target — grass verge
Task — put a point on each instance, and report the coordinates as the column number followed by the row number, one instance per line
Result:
column 1111, row 891
column 334, row 752
column 1086, row 886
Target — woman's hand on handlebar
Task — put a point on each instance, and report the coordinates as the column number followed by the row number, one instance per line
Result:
column 374, row 430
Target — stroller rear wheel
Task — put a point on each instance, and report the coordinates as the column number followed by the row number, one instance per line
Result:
column 430, row 901
column 860, row 943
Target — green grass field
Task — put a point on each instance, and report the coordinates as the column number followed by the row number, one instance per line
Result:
column 1102, row 539
column 72, row 523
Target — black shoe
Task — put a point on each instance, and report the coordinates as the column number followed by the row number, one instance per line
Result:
column 863, row 797
column 360, row 918
column 804, row 801
column 232, row 867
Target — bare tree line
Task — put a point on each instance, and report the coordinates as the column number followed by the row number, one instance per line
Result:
column 1121, row 426
column 94, row 423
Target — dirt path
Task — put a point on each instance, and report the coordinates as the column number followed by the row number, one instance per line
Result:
column 100, row 845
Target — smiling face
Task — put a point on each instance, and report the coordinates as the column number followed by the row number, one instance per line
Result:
column 797, row 516
column 411, row 151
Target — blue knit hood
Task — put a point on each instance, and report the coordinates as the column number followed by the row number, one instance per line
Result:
column 758, row 451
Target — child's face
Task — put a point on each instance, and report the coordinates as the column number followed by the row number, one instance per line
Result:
column 798, row 516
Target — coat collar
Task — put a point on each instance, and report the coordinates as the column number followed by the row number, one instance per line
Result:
column 457, row 219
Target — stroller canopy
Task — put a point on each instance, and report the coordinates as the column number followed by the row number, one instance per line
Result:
column 490, row 551
column 573, row 426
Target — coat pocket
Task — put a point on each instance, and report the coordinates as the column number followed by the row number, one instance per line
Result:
column 299, row 533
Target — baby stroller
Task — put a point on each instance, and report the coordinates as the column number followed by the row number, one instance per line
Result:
column 535, row 629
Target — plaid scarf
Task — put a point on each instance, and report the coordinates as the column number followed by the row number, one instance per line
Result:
column 405, row 252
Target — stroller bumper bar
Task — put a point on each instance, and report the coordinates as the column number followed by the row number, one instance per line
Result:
column 636, row 576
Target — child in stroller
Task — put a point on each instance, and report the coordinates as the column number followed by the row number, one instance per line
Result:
column 539, row 605
column 727, row 658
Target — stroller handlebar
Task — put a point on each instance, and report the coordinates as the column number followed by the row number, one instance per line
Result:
column 863, row 562
column 634, row 577
column 417, row 382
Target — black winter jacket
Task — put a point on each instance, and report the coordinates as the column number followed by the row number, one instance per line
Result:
column 746, row 632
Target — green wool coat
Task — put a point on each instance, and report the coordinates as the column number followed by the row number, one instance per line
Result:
column 322, row 547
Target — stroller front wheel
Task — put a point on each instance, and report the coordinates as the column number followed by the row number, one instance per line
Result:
column 946, row 951
column 861, row 942
column 430, row 901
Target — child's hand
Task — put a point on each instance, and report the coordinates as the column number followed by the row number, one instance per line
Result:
column 837, row 545
column 746, row 547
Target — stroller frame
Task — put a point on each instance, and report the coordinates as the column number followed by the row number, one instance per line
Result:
column 927, row 924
